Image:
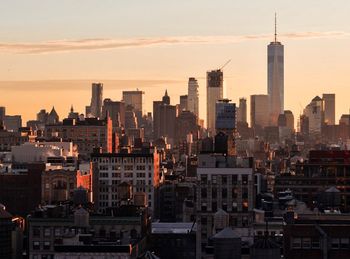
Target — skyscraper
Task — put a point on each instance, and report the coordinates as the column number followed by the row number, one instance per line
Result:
column 134, row 99
column 259, row 110
column 225, row 122
column 314, row 111
column 225, row 119
column 275, row 78
column 115, row 110
column 96, row 100
column 242, row 110
column 215, row 87
column 192, row 96
column 290, row 119
column 329, row 108
column 183, row 103
column 2, row 115
column 164, row 116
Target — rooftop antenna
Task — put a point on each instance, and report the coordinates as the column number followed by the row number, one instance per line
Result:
column 275, row 27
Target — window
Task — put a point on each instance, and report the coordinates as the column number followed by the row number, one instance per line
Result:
column 214, row 206
column 204, row 193
column 213, row 179
column 47, row 245
column 47, row 232
column 36, row 231
column 234, row 179
column 244, row 193
column 57, row 232
column 224, row 179
column 234, row 206
column 204, row 179
column 214, row 193
column 306, row 243
column 36, row 245
column 296, row 242
column 245, row 205
column 344, row 243
column 335, row 243
column 224, row 193
column 128, row 175
column 234, row 193
column 244, row 179
column 315, row 244
column 128, row 167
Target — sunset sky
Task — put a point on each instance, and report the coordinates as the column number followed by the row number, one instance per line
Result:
column 51, row 51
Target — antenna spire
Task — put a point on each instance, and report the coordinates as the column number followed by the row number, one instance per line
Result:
column 275, row 27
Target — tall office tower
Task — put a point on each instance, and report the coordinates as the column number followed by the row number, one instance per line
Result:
column 259, row 108
column 329, row 108
column 134, row 99
column 130, row 118
column 96, row 100
column 215, row 90
column 289, row 119
column 193, row 97
column 275, row 78
column 164, row 118
column 183, row 103
column 2, row 115
column 115, row 110
column 242, row 110
column 314, row 111
column 225, row 121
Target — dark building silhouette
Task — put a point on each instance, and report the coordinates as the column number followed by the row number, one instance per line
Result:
column 5, row 233
column 115, row 110
column 186, row 123
column 164, row 116
column 21, row 192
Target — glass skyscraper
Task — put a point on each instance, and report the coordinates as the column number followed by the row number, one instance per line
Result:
column 275, row 79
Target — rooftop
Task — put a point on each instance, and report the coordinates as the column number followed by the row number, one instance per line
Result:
column 173, row 228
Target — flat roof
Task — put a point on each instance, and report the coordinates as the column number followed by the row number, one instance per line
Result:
column 173, row 227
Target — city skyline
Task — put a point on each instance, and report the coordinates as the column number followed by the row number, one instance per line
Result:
column 192, row 129
column 84, row 46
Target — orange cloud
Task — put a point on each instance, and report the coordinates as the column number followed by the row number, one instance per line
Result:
column 105, row 44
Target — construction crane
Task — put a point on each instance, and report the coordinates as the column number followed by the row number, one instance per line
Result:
column 224, row 65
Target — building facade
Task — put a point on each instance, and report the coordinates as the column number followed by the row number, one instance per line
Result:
column 139, row 171
column 164, row 117
column 275, row 79
column 226, row 184
column 314, row 111
column 329, row 108
column 96, row 100
column 215, row 92
column 259, row 111
column 115, row 110
column 134, row 99
column 193, row 96
column 242, row 110
column 88, row 134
